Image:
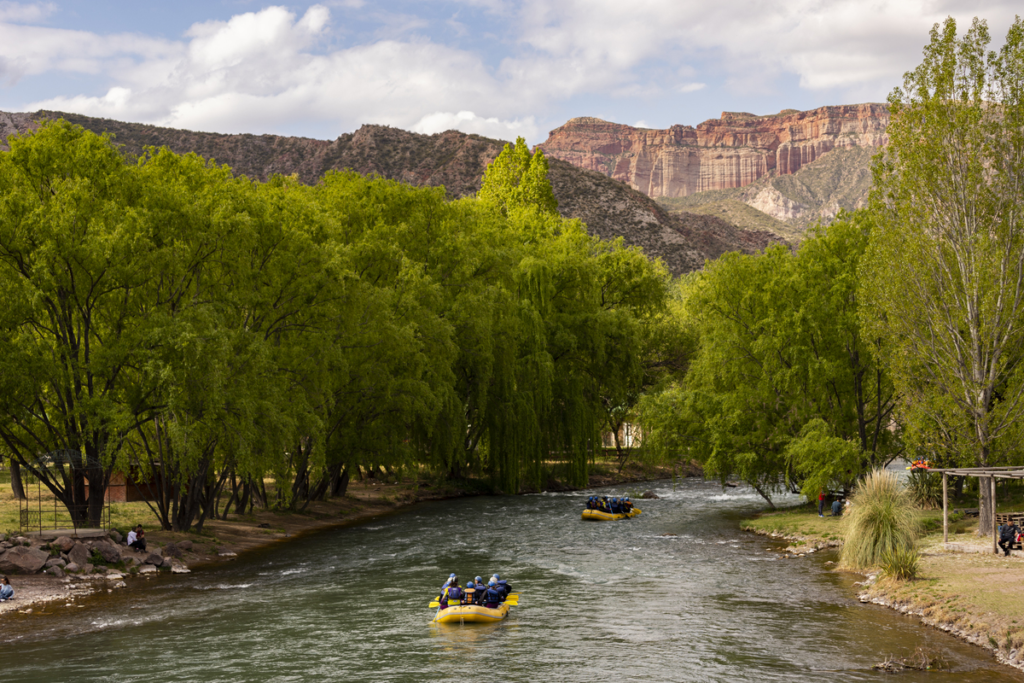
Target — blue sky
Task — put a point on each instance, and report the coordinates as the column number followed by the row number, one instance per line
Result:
column 487, row 66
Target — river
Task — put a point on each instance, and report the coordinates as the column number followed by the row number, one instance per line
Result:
column 601, row 601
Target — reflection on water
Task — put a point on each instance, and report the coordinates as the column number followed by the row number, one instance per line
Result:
column 677, row 594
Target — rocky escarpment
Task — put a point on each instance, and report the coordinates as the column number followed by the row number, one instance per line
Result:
column 455, row 160
column 733, row 151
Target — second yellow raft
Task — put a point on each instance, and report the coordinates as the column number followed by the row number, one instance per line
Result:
column 599, row 516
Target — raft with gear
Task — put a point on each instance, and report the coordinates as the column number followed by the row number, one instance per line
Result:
column 601, row 516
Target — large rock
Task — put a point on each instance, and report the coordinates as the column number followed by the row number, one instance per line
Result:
column 79, row 554
column 72, row 568
column 115, row 536
column 55, row 562
column 65, row 543
column 171, row 550
column 650, row 495
column 55, row 571
column 154, row 559
column 719, row 154
column 22, row 560
column 185, row 546
column 109, row 551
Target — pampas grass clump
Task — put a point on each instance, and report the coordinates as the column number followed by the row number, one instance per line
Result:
column 881, row 520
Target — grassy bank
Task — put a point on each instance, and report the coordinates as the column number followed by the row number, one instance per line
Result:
column 962, row 587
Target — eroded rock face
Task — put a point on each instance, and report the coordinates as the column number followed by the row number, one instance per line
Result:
column 22, row 560
column 729, row 152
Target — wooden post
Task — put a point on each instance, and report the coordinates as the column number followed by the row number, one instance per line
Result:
column 945, row 507
column 995, row 530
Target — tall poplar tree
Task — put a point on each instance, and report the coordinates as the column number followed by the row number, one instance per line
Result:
column 944, row 274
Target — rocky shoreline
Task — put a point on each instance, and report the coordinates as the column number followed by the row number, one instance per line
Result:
column 875, row 592
column 69, row 567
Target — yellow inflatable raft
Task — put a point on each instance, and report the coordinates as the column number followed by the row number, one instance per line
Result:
column 598, row 516
column 471, row 614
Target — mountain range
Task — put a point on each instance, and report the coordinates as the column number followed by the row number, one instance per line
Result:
column 685, row 195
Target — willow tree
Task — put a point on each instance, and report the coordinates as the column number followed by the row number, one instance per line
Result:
column 945, row 268
column 80, row 256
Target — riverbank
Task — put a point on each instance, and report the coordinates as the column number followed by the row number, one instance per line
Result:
column 223, row 540
column 962, row 587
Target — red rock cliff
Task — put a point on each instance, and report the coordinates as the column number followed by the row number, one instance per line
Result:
column 732, row 151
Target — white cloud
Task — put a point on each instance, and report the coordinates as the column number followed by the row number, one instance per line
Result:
column 25, row 12
column 468, row 122
column 276, row 69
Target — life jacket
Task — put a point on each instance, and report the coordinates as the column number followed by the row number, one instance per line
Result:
column 494, row 594
column 452, row 596
column 469, row 596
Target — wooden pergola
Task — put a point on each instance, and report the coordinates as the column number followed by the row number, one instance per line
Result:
column 990, row 473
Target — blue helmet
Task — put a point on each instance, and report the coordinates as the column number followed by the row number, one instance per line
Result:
column 452, row 575
column 496, row 577
column 479, row 579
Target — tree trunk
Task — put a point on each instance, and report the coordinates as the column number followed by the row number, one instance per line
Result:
column 339, row 484
column 17, row 488
column 985, row 504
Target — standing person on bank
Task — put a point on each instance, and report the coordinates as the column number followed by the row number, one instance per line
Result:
column 821, row 503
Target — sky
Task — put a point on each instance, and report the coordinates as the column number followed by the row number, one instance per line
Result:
column 495, row 67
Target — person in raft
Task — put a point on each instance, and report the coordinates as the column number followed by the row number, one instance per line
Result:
column 502, row 584
column 6, row 592
column 452, row 595
column 137, row 538
column 494, row 595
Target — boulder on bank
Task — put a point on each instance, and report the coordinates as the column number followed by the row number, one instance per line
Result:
column 72, row 568
column 185, row 546
column 172, row 550
column 54, row 562
column 65, row 543
column 115, row 536
column 108, row 551
column 22, row 560
column 154, row 559
column 79, row 554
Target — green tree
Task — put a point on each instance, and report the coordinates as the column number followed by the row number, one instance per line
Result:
column 79, row 259
column 945, row 268
column 517, row 179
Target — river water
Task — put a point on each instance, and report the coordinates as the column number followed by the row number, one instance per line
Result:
column 600, row 601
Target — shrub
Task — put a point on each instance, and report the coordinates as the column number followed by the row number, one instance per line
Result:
column 881, row 518
column 900, row 563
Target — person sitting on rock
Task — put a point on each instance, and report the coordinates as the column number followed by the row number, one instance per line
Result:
column 6, row 592
column 137, row 538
